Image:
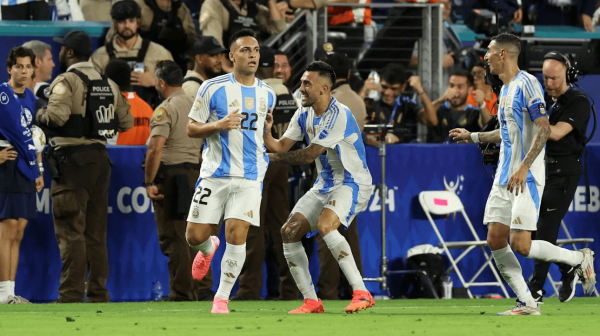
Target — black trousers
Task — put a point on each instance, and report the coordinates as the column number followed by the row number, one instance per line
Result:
column 35, row 10
column 558, row 194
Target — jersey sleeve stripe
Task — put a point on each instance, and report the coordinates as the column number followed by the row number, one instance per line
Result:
column 206, row 85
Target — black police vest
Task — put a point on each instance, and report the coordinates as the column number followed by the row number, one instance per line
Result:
column 148, row 94
column 167, row 29
column 283, row 113
column 238, row 21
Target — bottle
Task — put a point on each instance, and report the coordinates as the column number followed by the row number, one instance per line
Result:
column 447, row 287
column 157, row 291
column 374, row 94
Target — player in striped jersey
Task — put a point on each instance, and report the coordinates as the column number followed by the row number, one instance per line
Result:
column 229, row 114
column 513, row 204
column 342, row 189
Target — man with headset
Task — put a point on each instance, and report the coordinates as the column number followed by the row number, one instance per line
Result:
column 569, row 116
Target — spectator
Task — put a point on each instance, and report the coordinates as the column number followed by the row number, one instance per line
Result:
column 482, row 95
column 96, row 10
column 36, row 10
column 208, row 54
column 508, row 9
column 220, row 18
column 282, row 69
column 452, row 110
column 118, row 70
column 395, row 107
column 44, row 64
column 168, row 23
column 577, row 13
column 596, row 17
column 140, row 53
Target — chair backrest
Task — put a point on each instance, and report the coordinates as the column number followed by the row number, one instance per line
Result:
column 440, row 202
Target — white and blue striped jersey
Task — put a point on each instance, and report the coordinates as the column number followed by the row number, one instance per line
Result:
column 345, row 162
column 16, row 2
column 520, row 103
column 240, row 152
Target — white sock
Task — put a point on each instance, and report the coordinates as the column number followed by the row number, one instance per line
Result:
column 511, row 271
column 4, row 290
column 339, row 247
column 298, row 264
column 11, row 288
column 545, row 251
column 231, row 267
column 206, row 248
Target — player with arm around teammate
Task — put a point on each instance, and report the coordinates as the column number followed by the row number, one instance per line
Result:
column 229, row 114
column 342, row 189
column 512, row 208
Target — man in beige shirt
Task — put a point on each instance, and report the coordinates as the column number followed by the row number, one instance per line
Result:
column 172, row 167
column 141, row 54
column 220, row 18
column 208, row 54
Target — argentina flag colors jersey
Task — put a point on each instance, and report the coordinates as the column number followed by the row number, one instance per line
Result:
column 240, row 152
column 344, row 162
column 520, row 103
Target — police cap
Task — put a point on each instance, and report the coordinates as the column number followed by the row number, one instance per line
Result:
column 208, row 45
column 125, row 9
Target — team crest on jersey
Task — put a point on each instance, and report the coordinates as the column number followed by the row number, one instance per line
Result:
column 197, row 105
column 159, row 115
column 4, row 98
column 262, row 105
column 195, row 212
column 249, row 103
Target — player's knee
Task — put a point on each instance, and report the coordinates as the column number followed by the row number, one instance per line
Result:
column 195, row 235
column 496, row 241
column 520, row 246
column 290, row 231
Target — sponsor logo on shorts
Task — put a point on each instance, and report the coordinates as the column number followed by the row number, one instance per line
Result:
column 517, row 221
column 249, row 214
column 231, row 263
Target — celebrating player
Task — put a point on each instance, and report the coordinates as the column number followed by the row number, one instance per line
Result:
column 229, row 113
column 342, row 189
column 513, row 206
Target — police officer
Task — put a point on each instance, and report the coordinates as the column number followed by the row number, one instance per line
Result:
column 140, row 53
column 208, row 54
column 569, row 116
column 84, row 108
column 172, row 167
column 275, row 206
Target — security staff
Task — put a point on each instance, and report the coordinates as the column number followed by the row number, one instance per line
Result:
column 275, row 206
column 84, row 108
column 569, row 116
column 140, row 53
column 172, row 167
column 208, row 54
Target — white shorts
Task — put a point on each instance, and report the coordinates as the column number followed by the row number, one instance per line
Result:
column 346, row 201
column 238, row 196
column 517, row 212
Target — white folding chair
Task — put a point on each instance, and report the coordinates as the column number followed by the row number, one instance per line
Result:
column 443, row 203
column 573, row 242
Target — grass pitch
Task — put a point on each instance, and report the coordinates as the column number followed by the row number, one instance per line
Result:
column 581, row 316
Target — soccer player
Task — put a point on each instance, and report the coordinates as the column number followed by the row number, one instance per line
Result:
column 229, row 113
column 342, row 189
column 513, row 205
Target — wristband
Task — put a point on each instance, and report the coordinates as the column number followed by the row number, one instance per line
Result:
column 149, row 184
column 475, row 137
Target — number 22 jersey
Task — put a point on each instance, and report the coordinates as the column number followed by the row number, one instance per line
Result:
column 240, row 152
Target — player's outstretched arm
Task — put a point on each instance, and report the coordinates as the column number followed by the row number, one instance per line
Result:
column 298, row 157
column 461, row 135
column 230, row 122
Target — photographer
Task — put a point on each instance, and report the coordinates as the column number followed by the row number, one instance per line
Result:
column 569, row 116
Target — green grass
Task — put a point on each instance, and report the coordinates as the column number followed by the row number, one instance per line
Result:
column 581, row 316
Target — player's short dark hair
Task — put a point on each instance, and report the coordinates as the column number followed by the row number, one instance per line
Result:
column 17, row 52
column 506, row 40
column 325, row 70
column 464, row 73
column 340, row 63
column 394, row 73
column 170, row 72
column 119, row 71
column 241, row 33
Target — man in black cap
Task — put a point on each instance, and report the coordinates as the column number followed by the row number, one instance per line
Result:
column 275, row 206
column 208, row 54
column 80, row 167
column 141, row 54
